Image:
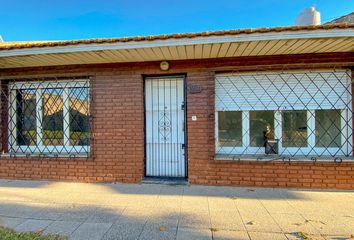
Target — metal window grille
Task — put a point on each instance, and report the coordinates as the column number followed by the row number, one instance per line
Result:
column 49, row 117
column 284, row 114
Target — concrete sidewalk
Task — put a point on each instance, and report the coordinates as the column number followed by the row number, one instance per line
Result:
column 144, row 211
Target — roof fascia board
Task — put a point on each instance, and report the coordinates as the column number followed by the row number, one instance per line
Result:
column 337, row 33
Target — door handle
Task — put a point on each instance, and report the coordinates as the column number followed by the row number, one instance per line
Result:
column 182, row 106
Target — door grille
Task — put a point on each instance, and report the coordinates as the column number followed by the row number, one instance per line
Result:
column 164, row 116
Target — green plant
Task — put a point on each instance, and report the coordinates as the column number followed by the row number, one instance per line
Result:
column 9, row 234
column 303, row 235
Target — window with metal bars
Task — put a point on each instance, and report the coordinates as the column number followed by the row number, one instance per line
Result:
column 49, row 117
column 284, row 114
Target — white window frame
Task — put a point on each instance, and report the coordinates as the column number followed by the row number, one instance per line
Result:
column 311, row 149
column 346, row 133
column 40, row 148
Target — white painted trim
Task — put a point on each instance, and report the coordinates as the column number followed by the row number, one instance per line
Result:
column 285, row 35
column 284, row 151
column 66, row 117
column 39, row 117
column 245, row 129
column 12, row 112
column 51, row 149
column 311, row 122
column 349, row 114
column 216, row 131
column 278, row 133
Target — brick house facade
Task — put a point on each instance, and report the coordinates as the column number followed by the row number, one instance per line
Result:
column 117, row 147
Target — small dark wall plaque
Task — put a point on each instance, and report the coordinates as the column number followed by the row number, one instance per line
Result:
column 194, row 88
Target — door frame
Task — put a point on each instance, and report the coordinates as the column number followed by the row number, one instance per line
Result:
column 183, row 76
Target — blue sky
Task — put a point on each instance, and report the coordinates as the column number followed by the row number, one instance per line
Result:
column 79, row 19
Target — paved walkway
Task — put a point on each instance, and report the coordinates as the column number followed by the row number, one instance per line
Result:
column 143, row 211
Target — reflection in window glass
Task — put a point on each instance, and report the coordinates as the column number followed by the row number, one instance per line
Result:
column 52, row 111
column 294, row 129
column 261, row 127
column 26, row 117
column 230, row 128
column 78, row 116
column 328, row 128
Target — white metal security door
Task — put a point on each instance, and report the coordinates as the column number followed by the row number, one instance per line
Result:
column 165, row 127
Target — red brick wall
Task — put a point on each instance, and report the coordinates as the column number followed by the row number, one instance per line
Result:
column 118, row 145
column 203, row 169
column 118, row 128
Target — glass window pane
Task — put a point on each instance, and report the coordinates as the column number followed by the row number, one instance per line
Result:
column 261, row 127
column 52, row 110
column 230, row 128
column 79, row 117
column 26, row 117
column 294, row 129
column 328, row 128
